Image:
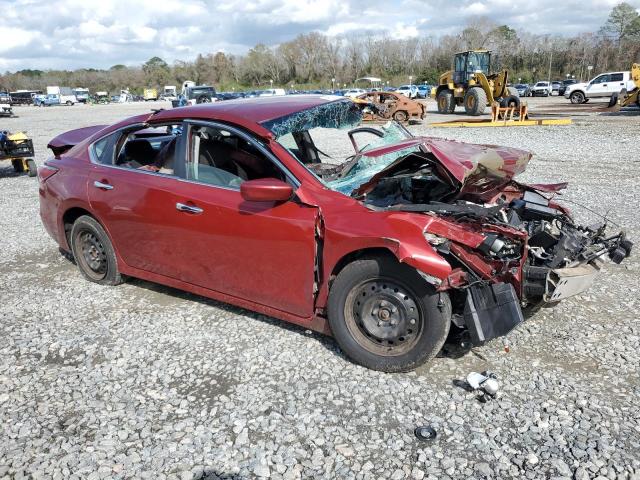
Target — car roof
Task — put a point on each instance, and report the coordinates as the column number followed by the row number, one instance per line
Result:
column 248, row 112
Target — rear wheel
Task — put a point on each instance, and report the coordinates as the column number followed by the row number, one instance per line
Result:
column 577, row 98
column 17, row 165
column 385, row 316
column 31, row 168
column 475, row 101
column 93, row 252
column 446, row 103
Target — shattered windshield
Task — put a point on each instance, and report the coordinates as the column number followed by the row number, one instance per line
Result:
column 337, row 114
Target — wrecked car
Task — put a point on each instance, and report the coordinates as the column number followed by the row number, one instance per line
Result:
column 387, row 250
column 390, row 105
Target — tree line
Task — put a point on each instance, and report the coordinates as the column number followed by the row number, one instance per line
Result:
column 314, row 60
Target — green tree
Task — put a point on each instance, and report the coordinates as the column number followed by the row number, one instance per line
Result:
column 623, row 22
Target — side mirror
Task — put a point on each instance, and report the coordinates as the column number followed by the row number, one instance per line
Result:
column 266, row 190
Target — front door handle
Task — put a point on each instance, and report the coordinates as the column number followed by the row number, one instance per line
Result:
column 102, row 186
column 604, row 84
column 188, row 208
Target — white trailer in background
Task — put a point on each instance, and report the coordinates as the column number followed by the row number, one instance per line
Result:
column 169, row 92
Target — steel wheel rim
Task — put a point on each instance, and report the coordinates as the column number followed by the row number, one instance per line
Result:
column 384, row 317
column 92, row 255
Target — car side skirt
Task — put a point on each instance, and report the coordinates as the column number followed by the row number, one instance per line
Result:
column 316, row 323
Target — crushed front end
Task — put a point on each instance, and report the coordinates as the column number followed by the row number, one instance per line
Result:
column 512, row 247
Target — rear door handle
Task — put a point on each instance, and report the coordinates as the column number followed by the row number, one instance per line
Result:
column 188, row 208
column 102, row 186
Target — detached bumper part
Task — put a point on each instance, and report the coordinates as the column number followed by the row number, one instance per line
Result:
column 491, row 311
column 567, row 282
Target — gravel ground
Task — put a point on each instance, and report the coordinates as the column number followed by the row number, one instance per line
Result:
column 142, row 381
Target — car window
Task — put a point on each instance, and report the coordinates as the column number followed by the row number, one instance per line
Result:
column 601, row 79
column 149, row 149
column 222, row 158
column 615, row 77
column 103, row 149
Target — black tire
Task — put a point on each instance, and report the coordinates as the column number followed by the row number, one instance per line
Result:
column 475, row 101
column 17, row 165
column 577, row 98
column 69, row 102
column 400, row 116
column 32, row 170
column 93, row 252
column 513, row 92
column 371, row 306
column 510, row 101
column 446, row 102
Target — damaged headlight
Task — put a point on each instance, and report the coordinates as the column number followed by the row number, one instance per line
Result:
column 435, row 240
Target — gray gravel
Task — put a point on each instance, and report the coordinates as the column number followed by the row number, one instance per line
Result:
column 142, row 381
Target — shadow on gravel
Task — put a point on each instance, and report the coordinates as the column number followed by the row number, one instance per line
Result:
column 9, row 172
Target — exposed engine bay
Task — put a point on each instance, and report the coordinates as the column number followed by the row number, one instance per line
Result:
column 513, row 248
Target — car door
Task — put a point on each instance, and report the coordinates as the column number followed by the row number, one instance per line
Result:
column 260, row 251
column 598, row 86
column 136, row 206
column 616, row 83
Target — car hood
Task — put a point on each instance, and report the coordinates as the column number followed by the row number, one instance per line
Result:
column 466, row 165
column 575, row 85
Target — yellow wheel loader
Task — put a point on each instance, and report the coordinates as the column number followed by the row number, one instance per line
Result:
column 628, row 98
column 471, row 85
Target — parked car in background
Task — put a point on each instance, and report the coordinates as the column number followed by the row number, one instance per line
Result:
column 523, row 89
column 354, row 92
column 541, row 89
column 23, row 97
column 200, row 94
column 424, row 91
column 273, row 92
column 555, row 87
column 390, row 105
column 410, row 91
column 565, row 85
column 387, row 251
column 602, row 86
column 48, row 100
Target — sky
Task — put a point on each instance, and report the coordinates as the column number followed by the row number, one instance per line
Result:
column 69, row 34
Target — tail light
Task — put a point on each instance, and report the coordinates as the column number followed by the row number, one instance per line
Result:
column 46, row 171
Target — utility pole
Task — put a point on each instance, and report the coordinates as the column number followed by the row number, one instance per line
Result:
column 550, row 59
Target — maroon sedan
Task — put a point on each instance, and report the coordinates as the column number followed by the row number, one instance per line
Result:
column 408, row 239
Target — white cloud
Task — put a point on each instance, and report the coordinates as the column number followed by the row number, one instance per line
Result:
column 101, row 33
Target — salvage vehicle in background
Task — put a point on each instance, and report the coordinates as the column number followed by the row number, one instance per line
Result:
column 541, row 89
column 354, row 92
column 23, row 97
column 408, row 239
column 555, row 87
column 389, row 105
column 65, row 95
column 48, row 100
column 603, row 86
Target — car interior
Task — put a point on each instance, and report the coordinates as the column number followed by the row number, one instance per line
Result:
column 220, row 157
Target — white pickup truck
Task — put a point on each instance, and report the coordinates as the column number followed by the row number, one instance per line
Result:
column 602, row 86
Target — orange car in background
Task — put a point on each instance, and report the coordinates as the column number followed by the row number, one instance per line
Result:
column 392, row 105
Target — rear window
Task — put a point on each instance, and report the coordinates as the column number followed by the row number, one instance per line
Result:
column 616, row 77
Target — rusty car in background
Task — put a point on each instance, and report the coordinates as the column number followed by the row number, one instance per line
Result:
column 391, row 106
column 406, row 240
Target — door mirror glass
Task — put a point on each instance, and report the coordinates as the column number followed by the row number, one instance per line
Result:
column 266, row 190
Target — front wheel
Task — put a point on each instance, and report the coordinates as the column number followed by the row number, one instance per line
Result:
column 32, row 170
column 384, row 316
column 93, row 252
column 446, row 102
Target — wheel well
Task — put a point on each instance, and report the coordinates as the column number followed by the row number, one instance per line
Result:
column 440, row 89
column 357, row 254
column 69, row 217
